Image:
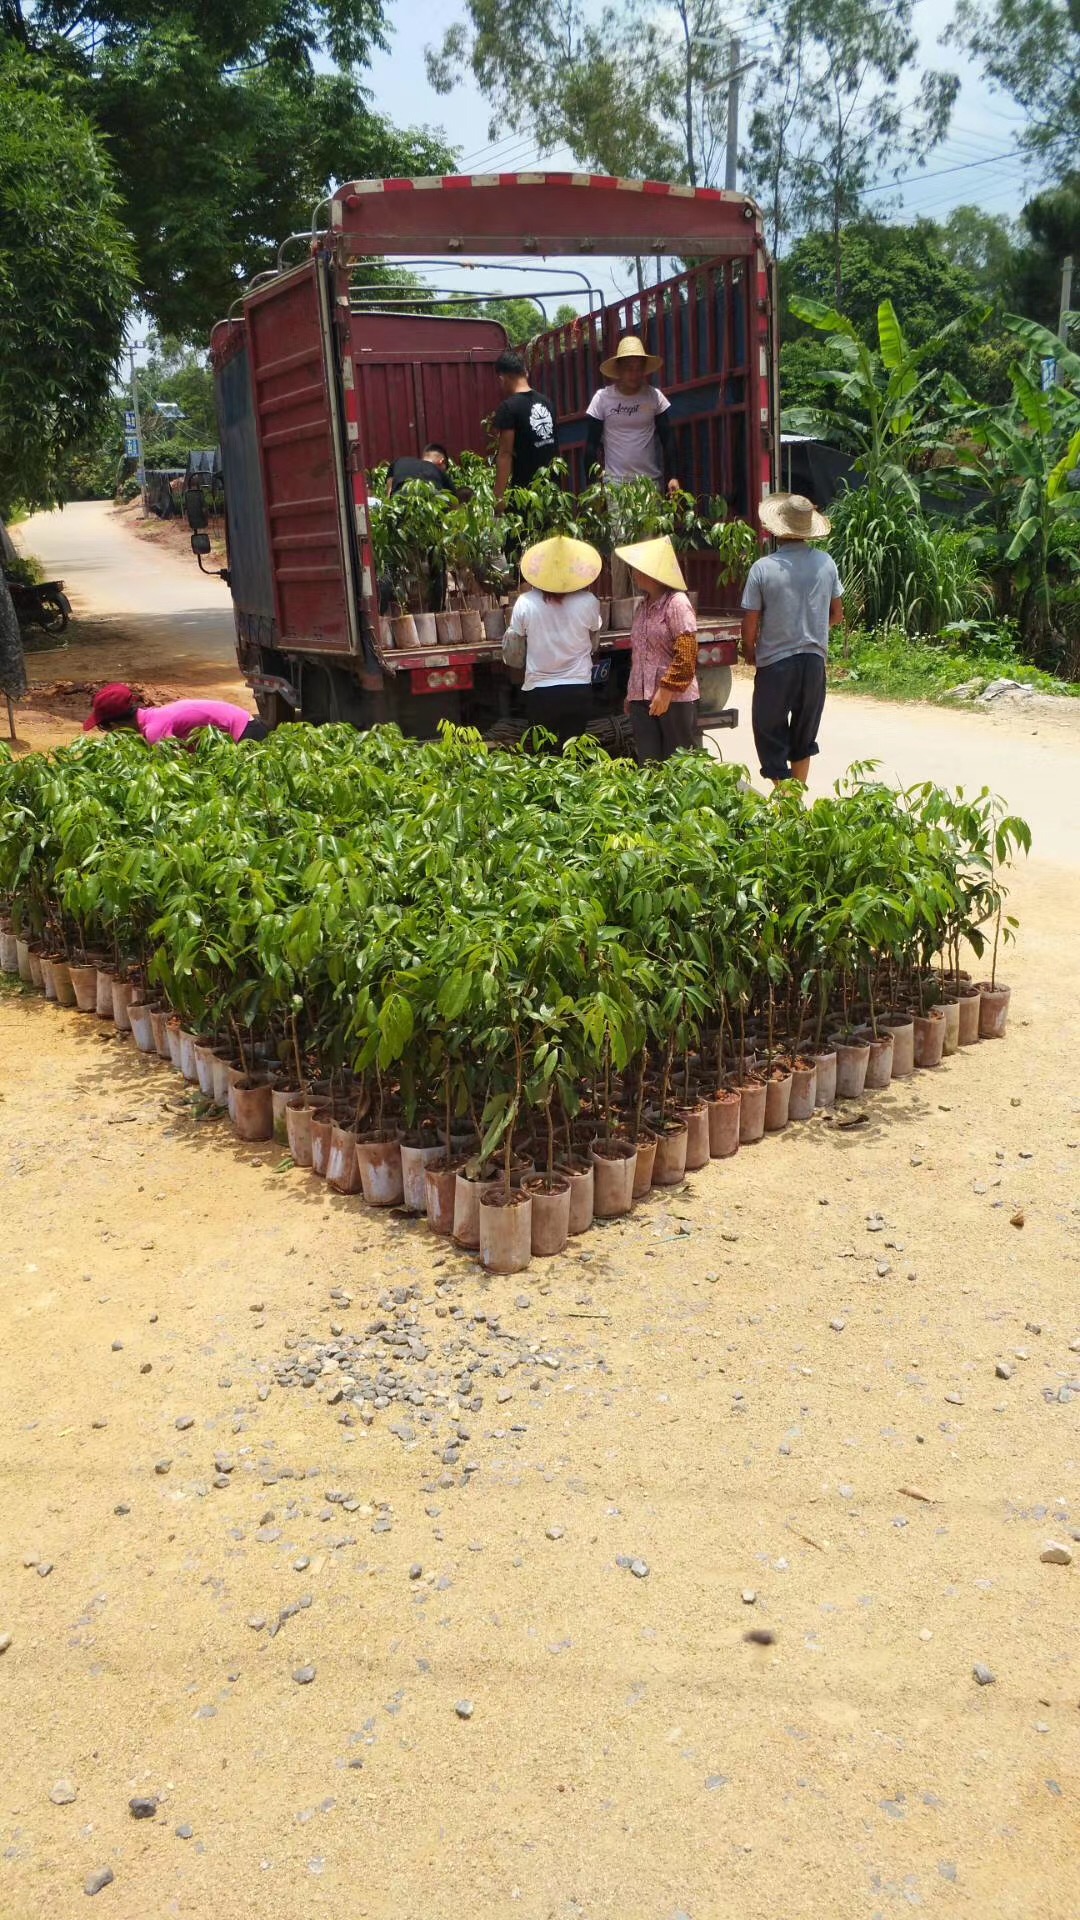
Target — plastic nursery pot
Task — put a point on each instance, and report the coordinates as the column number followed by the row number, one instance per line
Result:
column 426, row 631
column 803, row 1098
column 494, row 624
column 379, row 1158
column 697, row 1135
column 223, row 1066
column 123, row 993
column 414, row 1159
column 48, row 984
column 343, row 1171
column 159, row 1021
column 951, row 1010
column 902, row 1028
column 440, row 1184
column 103, row 1008
column 622, row 613
column 505, row 1227
column 669, row 1166
column 993, row 1011
column 205, row 1053
column 581, row 1177
column 646, row 1160
column 22, row 961
column 970, row 1008
column 879, row 1064
column 550, row 1212
column 825, row 1062
column 405, row 635
column 299, row 1114
column 279, row 1100
column 37, row 972
column 142, row 1027
column 752, row 1096
column 448, row 627
column 189, row 1065
column 322, row 1126
column 777, row 1099
column 84, row 985
column 852, row 1060
column 172, row 1039
column 467, row 1192
column 613, row 1165
column 9, row 953
column 929, row 1038
column 252, row 1109
column 724, row 1108
column 63, row 985
column 472, row 626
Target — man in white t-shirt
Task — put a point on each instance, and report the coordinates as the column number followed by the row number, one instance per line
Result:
column 627, row 423
column 553, row 629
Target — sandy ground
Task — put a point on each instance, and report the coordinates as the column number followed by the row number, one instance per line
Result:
column 629, row 1753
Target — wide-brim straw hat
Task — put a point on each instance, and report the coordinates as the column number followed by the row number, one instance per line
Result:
column 561, row 565
column 630, row 348
column 657, row 560
column 793, row 515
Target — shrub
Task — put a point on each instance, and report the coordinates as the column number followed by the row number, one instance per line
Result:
column 898, row 569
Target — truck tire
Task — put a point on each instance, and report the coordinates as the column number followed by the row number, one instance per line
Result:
column 273, row 708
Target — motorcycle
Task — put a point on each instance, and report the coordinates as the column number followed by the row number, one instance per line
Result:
column 45, row 605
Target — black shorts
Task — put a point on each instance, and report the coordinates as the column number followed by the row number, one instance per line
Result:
column 789, row 699
column 564, row 711
column 256, row 730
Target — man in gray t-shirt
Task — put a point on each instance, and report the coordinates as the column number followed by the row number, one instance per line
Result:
column 791, row 600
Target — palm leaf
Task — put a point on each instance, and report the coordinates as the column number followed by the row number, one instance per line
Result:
column 894, row 348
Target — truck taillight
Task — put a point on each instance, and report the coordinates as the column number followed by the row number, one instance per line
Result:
column 440, row 679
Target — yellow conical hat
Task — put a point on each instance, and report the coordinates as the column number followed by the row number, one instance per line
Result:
column 656, row 558
column 561, row 565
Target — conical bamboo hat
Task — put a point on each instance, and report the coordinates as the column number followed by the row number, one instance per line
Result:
column 561, row 565
column 657, row 559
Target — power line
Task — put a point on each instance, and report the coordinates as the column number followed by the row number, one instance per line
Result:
column 937, row 173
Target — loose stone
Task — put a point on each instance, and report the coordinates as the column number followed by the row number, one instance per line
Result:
column 1056, row 1554
column 303, row 1676
column 183, row 1422
column 104, row 1877
column 63, row 1793
column 143, row 1806
column 464, row 1709
column 982, row 1675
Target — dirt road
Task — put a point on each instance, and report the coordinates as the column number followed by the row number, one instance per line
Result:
column 745, row 1388
column 142, row 613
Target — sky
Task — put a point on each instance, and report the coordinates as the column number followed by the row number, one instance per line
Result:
column 977, row 163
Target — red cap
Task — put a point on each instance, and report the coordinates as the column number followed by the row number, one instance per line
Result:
column 110, row 703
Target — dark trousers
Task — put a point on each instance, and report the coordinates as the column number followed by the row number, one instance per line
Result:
column 564, row 711
column 789, row 699
column 658, row 737
column 256, row 730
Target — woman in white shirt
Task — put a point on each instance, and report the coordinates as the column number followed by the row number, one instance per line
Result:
column 553, row 630
column 629, row 421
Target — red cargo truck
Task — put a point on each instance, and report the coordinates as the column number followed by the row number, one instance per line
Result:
column 314, row 387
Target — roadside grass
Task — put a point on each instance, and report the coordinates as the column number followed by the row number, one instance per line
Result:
column 894, row 666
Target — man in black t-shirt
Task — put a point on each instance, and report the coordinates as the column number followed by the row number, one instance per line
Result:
column 431, row 467
column 525, row 424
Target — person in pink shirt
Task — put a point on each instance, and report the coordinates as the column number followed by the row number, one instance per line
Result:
column 115, row 706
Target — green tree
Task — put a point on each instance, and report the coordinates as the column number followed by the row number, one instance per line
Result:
column 827, row 118
column 65, row 282
column 223, row 130
column 1030, row 49
column 983, row 244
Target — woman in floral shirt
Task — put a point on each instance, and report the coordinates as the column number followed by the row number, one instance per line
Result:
column 662, row 697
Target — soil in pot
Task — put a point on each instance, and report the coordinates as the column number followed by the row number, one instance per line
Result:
column 993, row 1011
column 550, row 1212
column 379, row 1155
column 970, row 1004
column 697, row 1135
column 84, row 984
column 724, row 1108
column 902, row 1028
column 63, row 986
column 505, row 1227
column 613, row 1165
column 467, row 1191
column 646, row 1159
column 929, row 1037
column 777, row 1099
column 803, row 1089
column 669, row 1165
column 752, row 1096
column 37, row 972
column 343, row 1171
column 852, row 1060
column 951, row 1010
column 415, row 1156
column 142, row 1027
column 440, row 1184
column 252, row 1108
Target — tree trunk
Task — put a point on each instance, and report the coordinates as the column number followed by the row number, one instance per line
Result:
column 12, row 661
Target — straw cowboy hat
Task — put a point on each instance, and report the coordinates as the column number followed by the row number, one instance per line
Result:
column 656, row 559
column 561, row 565
column 629, row 348
column 793, row 515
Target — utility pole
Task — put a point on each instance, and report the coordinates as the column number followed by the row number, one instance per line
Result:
column 1066, row 296
column 140, row 449
column 731, row 168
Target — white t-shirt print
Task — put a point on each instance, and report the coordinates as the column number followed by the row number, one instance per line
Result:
column 542, row 424
column 629, row 422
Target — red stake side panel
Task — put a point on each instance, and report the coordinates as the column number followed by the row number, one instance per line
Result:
column 300, row 436
column 542, row 213
column 420, row 378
